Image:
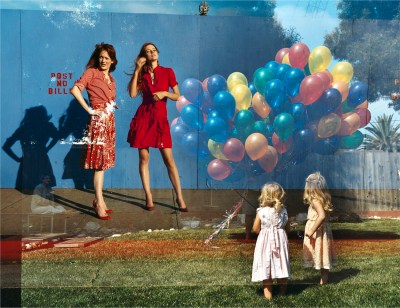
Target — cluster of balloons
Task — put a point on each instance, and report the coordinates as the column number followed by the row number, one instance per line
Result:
column 293, row 104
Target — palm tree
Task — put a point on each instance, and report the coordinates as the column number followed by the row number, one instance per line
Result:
column 385, row 136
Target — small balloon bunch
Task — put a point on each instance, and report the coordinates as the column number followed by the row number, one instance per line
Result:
column 293, row 104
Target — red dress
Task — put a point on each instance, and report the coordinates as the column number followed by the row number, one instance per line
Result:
column 150, row 127
column 99, row 149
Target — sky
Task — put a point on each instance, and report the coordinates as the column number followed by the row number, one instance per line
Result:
column 303, row 15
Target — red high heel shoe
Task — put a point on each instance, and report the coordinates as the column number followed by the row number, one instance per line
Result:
column 106, row 217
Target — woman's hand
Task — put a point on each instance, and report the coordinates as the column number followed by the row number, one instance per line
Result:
column 140, row 62
column 95, row 112
column 157, row 96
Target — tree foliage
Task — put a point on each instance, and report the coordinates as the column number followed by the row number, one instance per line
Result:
column 384, row 135
column 368, row 38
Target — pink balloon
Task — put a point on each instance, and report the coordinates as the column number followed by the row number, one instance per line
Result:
column 204, row 84
column 365, row 116
column 328, row 125
column 298, row 55
column 174, row 121
column 281, row 146
column 260, row 105
column 219, row 169
column 234, row 150
column 311, row 89
column 181, row 102
column 256, row 145
column 326, row 78
column 280, row 54
column 269, row 160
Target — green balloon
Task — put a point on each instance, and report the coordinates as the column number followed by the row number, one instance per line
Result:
column 243, row 119
column 260, row 78
column 352, row 141
column 346, row 108
column 284, row 125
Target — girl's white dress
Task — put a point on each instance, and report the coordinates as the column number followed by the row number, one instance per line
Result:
column 271, row 254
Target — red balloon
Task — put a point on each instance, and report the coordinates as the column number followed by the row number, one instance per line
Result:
column 365, row 116
column 280, row 54
column 326, row 78
column 234, row 150
column 298, row 55
column 311, row 89
column 281, row 146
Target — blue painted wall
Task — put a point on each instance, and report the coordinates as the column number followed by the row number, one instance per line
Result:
column 35, row 46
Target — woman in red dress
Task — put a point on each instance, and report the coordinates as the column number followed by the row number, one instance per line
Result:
column 150, row 127
column 99, row 150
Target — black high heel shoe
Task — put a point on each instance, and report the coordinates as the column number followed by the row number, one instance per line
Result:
column 182, row 209
column 106, row 217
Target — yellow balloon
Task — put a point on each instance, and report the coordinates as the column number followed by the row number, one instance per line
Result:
column 216, row 149
column 235, row 79
column 285, row 59
column 242, row 95
column 319, row 60
column 342, row 71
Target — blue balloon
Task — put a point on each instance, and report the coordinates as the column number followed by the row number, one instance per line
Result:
column 252, row 88
column 273, row 66
column 217, row 129
column 190, row 143
column 213, row 113
column 274, row 92
column 281, row 106
column 292, row 80
column 327, row 103
column 331, row 99
column 282, row 70
column 216, row 83
column 206, row 103
column 192, row 116
column 298, row 111
column 304, row 139
column 178, row 131
column 269, row 130
column 225, row 104
column 327, row 146
column 192, row 90
column 358, row 93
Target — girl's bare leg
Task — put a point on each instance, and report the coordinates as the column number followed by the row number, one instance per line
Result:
column 282, row 285
column 173, row 174
column 324, row 276
column 144, row 159
column 267, row 286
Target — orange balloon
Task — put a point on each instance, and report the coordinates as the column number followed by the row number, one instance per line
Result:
column 328, row 125
column 342, row 87
column 363, row 105
column 281, row 146
column 349, row 124
column 256, row 145
column 269, row 160
column 260, row 105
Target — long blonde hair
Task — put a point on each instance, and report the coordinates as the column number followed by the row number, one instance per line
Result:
column 272, row 195
column 316, row 188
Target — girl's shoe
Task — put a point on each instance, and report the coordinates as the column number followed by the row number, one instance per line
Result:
column 182, row 209
column 106, row 217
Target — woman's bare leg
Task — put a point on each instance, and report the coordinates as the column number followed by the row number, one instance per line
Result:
column 98, row 180
column 144, row 159
column 173, row 175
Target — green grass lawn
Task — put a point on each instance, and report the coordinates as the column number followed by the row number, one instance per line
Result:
column 175, row 269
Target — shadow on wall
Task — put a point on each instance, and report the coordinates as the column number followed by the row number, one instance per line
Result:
column 73, row 123
column 34, row 133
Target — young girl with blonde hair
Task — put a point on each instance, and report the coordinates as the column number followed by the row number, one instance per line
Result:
column 318, row 249
column 271, row 254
